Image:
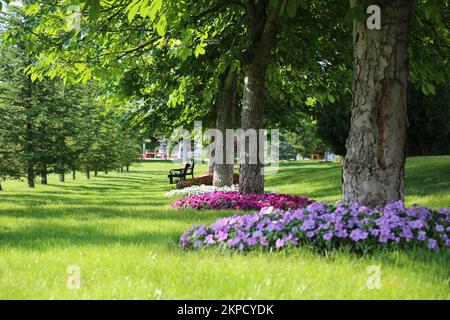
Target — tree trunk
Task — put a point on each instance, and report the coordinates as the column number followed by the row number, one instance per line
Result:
column 29, row 151
column 74, row 174
column 30, row 175
column 262, row 31
column 95, row 172
column 375, row 161
column 211, row 163
column 225, row 119
column 128, row 168
column 1, row 186
column 62, row 177
column 251, row 179
column 44, row 174
column 106, row 171
column 29, row 134
column 88, row 172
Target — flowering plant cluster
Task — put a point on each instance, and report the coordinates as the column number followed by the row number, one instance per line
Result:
column 193, row 190
column 205, row 189
column 238, row 201
column 326, row 226
column 202, row 180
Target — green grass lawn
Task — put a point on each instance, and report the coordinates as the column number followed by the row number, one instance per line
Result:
column 122, row 234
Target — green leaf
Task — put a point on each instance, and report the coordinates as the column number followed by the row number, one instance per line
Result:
column 199, row 51
column 154, row 8
column 331, row 98
column 283, row 8
column 31, row 9
column 161, row 26
column 144, row 8
column 94, row 9
column 133, row 9
column 355, row 13
column 291, row 8
column 428, row 88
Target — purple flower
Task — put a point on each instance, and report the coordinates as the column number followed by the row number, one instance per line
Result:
column 318, row 223
column 328, row 236
column 422, row 235
column 432, row 244
column 279, row 243
column 210, row 239
column 263, row 241
column 358, row 234
column 222, row 235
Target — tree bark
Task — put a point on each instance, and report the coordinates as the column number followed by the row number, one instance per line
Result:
column 128, row 168
column 62, row 177
column 225, row 119
column 1, row 186
column 211, row 163
column 44, row 174
column 29, row 150
column 88, row 172
column 262, row 32
column 74, row 174
column 375, row 161
column 29, row 134
column 95, row 172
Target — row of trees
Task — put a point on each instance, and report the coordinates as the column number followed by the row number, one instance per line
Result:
column 280, row 58
column 48, row 127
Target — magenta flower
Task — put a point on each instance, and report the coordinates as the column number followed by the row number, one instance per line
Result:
column 237, row 201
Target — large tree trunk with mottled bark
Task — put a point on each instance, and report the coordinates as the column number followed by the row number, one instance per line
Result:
column 262, row 31
column 375, row 161
column 225, row 119
column 251, row 178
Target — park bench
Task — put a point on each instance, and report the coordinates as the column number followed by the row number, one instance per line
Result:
column 188, row 170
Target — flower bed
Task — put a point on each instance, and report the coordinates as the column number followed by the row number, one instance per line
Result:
column 193, row 190
column 326, row 226
column 238, row 201
column 202, row 180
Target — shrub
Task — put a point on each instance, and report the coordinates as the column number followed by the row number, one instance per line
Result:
column 202, row 180
column 324, row 226
column 238, row 201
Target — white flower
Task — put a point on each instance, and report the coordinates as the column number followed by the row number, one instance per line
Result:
column 195, row 190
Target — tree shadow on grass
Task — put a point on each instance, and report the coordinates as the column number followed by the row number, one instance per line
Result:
column 422, row 180
column 47, row 236
column 87, row 212
column 81, row 202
